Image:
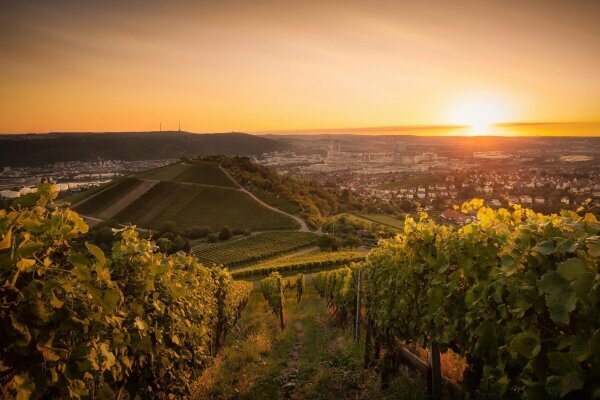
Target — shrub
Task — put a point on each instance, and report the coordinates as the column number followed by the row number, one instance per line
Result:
column 225, row 233
column 168, row 226
column 197, row 232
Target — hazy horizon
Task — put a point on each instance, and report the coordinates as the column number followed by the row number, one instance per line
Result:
column 526, row 129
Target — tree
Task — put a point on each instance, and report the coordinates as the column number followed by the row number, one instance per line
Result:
column 168, row 226
column 196, row 232
column 225, row 233
column 328, row 243
column 165, row 245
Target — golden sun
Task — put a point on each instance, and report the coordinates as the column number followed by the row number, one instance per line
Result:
column 479, row 113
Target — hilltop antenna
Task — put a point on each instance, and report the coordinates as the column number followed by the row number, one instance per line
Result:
column 179, row 126
column 160, row 126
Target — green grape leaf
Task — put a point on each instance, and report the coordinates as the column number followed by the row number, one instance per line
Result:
column 526, row 344
column 546, row 247
column 572, row 269
column 560, row 386
column 105, row 392
column 560, row 298
column 110, row 299
column 96, row 252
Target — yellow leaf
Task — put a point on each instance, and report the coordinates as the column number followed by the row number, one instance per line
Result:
column 6, row 240
column 175, row 340
column 25, row 264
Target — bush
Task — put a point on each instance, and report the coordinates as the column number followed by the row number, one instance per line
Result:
column 328, row 243
column 197, row 232
column 238, row 231
column 168, row 227
column 225, row 233
column 212, row 238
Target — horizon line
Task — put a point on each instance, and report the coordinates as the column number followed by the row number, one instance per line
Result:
column 361, row 131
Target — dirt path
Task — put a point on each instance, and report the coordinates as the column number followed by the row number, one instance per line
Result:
column 303, row 225
column 290, row 373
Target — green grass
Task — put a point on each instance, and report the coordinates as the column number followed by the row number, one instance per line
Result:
column 196, row 193
column 104, row 198
column 201, row 172
column 413, row 181
column 196, row 205
column 305, row 262
column 277, row 201
column 254, row 248
column 77, row 197
column 383, row 219
column 261, row 362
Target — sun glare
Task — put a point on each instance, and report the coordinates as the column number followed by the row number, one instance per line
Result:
column 479, row 113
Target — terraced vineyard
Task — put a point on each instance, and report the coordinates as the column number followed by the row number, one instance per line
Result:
column 201, row 172
column 80, row 196
column 99, row 200
column 189, row 205
column 305, row 262
column 254, row 248
column 189, row 194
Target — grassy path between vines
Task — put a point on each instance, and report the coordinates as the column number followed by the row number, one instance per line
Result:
column 311, row 359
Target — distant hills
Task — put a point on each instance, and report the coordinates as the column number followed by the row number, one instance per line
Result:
column 41, row 149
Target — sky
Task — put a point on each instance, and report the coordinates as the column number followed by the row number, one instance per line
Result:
column 261, row 66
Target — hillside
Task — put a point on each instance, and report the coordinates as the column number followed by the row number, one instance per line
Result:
column 309, row 201
column 42, row 149
column 186, row 193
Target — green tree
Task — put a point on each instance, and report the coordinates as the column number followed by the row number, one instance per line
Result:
column 225, row 233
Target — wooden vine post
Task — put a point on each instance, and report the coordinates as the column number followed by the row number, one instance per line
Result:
column 280, row 303
column 368, row 344
column 357, row 319
column 219, row 328
column 434, row 379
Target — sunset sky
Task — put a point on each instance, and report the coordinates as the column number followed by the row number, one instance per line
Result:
column 258, row 66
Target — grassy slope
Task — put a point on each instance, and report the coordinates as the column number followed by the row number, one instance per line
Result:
column 422, row 180
column 102, row 200
column 311, row 359
column 383, row 219
column 206, row 173
column 77, row 197
column 189, row 205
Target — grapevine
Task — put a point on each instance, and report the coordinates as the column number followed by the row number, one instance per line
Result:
column 77, row 323
column 515, row 292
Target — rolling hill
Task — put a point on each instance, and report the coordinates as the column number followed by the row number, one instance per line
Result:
column 42, row 149
column 197, row 193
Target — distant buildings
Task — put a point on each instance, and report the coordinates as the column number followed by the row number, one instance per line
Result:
column 455, row 216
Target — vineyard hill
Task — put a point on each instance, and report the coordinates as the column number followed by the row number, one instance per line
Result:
column 194, row 193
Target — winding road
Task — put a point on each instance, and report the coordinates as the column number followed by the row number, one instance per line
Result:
column 129, row 199
column 303, row 225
